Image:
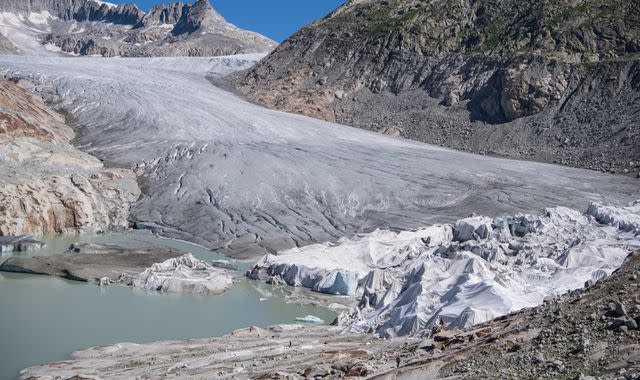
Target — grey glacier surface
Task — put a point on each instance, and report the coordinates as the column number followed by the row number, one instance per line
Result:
column 226, row 173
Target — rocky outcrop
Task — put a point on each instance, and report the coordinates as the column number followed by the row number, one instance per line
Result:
column 49, row 186
column 163, row 14
column 89, row 27
column 200, row 16
column 553, row 81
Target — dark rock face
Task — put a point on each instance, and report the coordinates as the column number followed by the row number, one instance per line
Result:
column 534, row 80
column 196, row 17
column 163, row 14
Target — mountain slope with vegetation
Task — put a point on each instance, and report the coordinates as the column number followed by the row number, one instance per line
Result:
column 554, row 80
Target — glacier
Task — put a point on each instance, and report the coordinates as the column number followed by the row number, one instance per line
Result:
column 245, row 180
column 463, row 273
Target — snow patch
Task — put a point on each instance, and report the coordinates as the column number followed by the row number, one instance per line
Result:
column 110, row 5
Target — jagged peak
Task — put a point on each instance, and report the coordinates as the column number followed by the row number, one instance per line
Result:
column 187, row 17
column 164, row 14
column 198, row 17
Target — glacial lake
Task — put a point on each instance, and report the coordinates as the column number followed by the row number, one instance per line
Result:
column 44, row 318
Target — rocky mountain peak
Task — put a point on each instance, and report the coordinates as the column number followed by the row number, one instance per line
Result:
column 199, row 16
column 175, row 29
column 164, row 14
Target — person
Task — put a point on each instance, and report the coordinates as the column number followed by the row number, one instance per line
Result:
column 398, row 360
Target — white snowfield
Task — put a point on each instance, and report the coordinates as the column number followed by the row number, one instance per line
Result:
column 226, row 173
column 464, row 273
column 184, row 274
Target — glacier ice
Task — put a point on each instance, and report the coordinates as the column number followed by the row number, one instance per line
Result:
column 184, row 274
column 463, row 273
column 247, row 180
column 309, row 319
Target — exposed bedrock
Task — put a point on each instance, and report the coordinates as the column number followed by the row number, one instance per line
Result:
column 553, row 81
column 47, row 185
column 77, row 10
column 6, row 46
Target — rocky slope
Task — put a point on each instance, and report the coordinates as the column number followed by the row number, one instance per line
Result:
column 586, row 334
column 47, row 185
column 90, row 27
column 554, row 80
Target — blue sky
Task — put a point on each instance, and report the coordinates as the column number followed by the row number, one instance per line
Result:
column 276, row 19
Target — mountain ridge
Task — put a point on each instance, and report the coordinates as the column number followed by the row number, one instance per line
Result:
column 91, row 27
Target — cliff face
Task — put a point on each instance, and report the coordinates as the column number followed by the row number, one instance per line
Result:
column 89, row 27
column 555, row 80
column 48, row 186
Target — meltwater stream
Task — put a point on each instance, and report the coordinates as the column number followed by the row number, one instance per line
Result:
column 45, row 318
